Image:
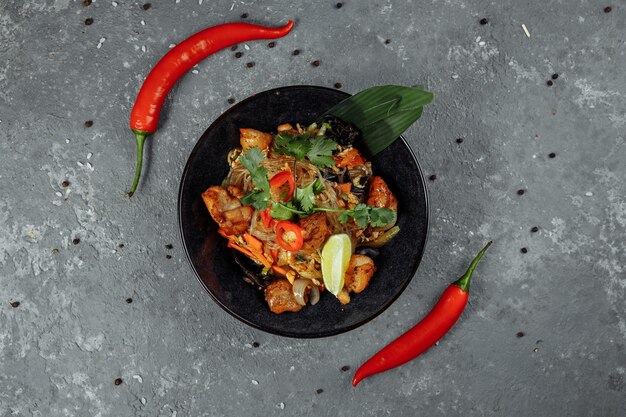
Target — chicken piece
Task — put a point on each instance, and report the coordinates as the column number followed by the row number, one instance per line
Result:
column 249, row 138
column 360, row 270
column 234, row 191
column 380, row 195
column 286, row 128
column 280, row 298
column 227, row 211
column 314, row 231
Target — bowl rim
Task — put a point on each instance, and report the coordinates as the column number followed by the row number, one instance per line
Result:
column 416, row 262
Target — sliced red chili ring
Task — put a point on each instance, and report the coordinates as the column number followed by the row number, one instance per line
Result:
column 280, row 179
column 285, row 226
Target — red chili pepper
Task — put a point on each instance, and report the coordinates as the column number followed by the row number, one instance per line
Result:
column 427, row 332
column 287, row 226
column 266, row 218
column 281, row 178
column 145, row 114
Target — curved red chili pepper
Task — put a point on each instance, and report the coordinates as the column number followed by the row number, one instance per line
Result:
column 281, row 178
column 144, row 116
column 427, row 332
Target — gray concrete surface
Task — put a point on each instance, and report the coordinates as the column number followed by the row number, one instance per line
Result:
column 177, row 352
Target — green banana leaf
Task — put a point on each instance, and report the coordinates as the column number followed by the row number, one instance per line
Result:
column 382, row 113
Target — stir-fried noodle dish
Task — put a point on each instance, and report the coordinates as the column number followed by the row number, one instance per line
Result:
column 303, row 212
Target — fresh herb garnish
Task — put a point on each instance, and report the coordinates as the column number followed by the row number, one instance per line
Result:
column 259, row 196
column 284, row 211
column 306, row 196
column 364, row 215
column 318, row 150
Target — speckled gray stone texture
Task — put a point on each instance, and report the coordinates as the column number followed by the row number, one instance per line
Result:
column 176, row 351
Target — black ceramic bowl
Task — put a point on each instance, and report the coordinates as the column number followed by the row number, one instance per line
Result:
column 213, row 262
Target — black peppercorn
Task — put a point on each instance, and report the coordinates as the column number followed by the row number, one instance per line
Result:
column 255, row 344
column 338, row 85
column 118, row 381
column 607, row 9
column 520, row 334
column 244, row 16
column 76, row 241
column 129, row 300
column 535, row 229
column 316, row 63
column 234, row 47
column 15, row 304
column 169, row 246
column 319, row 391
column 271, row 44
column 238, row 54
column 550, row 83
column 168, row 256
column 552, row 155
column 65, row 184
column 387, row 41
column 524, row 250
column 459, row 140
column 89, row 123
column 432, row 177
column 147, row 6
column 250, row 64
column 339, row 5
column 86, row 3
column 345, row 368
column 231, row 101
column 120, row 245
column 88, row 21
column 555, row 76
column 295, row 52
column 520, row 192
column 484, row 21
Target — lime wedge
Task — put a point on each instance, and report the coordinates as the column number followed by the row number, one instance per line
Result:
column 335, row 259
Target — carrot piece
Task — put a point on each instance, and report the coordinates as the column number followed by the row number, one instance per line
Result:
column 229, row 237
column 253, row 242
column 250, row 254
column 279, row 269
column 345, row 187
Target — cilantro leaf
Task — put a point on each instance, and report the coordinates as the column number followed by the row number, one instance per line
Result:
column 251, row 160
column 257, row 199
column 379, row 217
column 293, row 145
column 306, row 195
column 318, row 150
column 360, row 213
column 321, row 152
column 283, row 211
column 364, row 215
column 259, row 196
column 344, row 217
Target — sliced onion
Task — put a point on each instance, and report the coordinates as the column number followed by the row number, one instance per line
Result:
column 300, row 289
column 315, row 295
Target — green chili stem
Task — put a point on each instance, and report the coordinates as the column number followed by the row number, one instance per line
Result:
column 464, row 281
column 140, row 136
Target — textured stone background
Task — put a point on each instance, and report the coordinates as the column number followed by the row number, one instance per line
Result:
column 176, row 351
